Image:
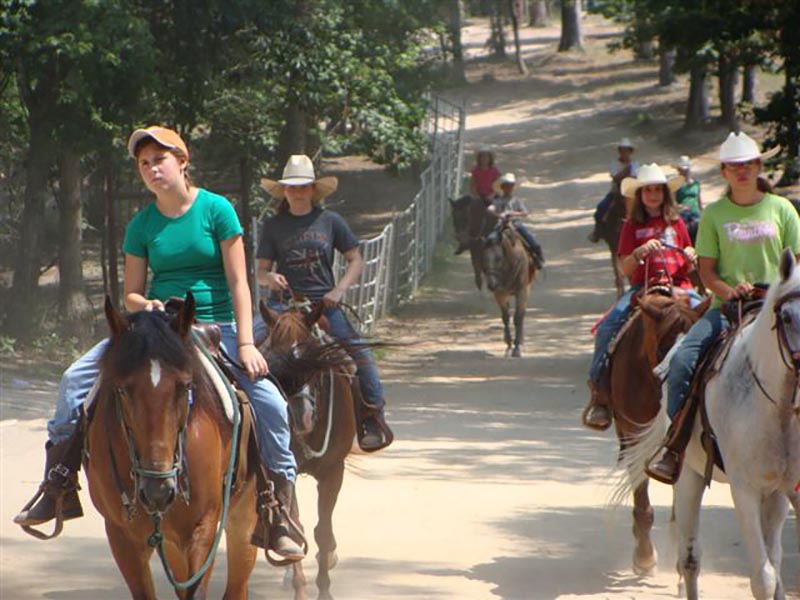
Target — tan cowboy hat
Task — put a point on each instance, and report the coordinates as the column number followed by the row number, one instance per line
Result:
column 740, row 147
column 684, row 162
column 626, row 143
column 648, row 175
column 508, row 178
column 299, row 170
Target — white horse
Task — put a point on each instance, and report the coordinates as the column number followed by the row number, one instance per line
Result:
column 753, row 407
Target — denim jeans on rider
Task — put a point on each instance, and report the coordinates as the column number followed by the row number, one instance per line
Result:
column 530, row 239
column 341, row 329
column 684, row 361
column 268, row 403
column 611, row 325
column 602, row 207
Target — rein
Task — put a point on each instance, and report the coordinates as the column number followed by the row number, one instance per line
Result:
column 308, row 451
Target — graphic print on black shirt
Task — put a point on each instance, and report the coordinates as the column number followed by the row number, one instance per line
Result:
column 303, row 248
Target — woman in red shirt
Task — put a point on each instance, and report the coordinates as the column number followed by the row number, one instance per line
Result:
column 483, row 176
column 654, row 238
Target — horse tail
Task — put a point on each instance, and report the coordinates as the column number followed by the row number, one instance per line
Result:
column 639, row 448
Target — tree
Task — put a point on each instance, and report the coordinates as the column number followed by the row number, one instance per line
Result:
column 539, row 13
column 571, row 36
column 517, row 50
column 454, row 19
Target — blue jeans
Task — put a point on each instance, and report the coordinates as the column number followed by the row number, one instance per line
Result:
column 268, row 403
column 606, row 331
column 611, row 326
column 602, row 207
column 529, row 239
column 341, row 329
column 684, row 362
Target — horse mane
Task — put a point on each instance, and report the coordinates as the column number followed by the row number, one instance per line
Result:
column 150, row 337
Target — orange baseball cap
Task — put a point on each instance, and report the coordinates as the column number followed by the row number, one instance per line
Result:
column 162, row 135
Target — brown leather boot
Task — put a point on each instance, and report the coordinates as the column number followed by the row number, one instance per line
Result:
column 665, row 466
column 60, row 484
column 280, row 540
column 596, row 415
column 373, row 432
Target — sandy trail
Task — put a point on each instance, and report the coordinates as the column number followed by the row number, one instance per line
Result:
column 492, row 488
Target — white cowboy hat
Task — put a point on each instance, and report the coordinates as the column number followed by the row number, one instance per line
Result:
column 625, row 143
column 508, row 178
column 299, row 170
column 648, row 175
column 740, row 147
column 684, row 162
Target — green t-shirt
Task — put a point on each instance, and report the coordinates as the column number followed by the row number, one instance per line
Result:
column 689, row 195
column 184, row 252
column 747, row 241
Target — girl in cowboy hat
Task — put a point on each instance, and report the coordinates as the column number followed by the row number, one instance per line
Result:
column 739, row 243
column 191, row 240
column 300, row 241
column 653, row 233
column 624, row 166
column 688, row 196
column 505, row 204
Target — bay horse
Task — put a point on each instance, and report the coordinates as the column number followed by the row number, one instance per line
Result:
column 635, row 396
column 753, row 407
column 472, row 222
column 158, row 448
column 509, row 272
column 323, row 420
column 608, row 230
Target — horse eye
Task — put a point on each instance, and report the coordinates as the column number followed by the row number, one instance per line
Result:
column 787, row 319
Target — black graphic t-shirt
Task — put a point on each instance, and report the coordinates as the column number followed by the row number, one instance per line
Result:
column 303, row 248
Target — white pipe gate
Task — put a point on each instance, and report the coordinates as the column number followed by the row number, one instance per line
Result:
column 396, row 259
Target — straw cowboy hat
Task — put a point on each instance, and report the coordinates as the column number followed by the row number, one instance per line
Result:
column 648, row 175
column 299, row 170
column 508, row 178
column 740, row 147
column 626, row 143
column 684, row 162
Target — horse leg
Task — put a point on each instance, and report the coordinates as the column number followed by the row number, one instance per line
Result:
column 241, row 554
column 688, row 498
column 775, row 509
column 644, row 555
column 748, row 504
column 328, row 492
column 295, row 575
column 519, row 319
column 505, row 314
column 475, row 258
column 133, row 560
column 619, row 283
column 794, row 498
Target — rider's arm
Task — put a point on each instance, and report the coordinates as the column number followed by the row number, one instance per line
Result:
column 236, row 275
column 711, row 279
column 351, row 274
column 268, row 278
column 628, row 265
column 134, row 282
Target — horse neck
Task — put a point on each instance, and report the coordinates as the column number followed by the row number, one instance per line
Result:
column 761, row 346
column 514, row 256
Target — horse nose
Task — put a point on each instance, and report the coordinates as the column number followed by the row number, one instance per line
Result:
column 157, row 494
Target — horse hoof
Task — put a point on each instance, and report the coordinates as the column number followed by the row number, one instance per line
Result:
column 516, row 353
column 332, row 559
column 645, row 567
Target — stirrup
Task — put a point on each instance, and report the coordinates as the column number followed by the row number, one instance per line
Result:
column 58, row 494
column 267, row 507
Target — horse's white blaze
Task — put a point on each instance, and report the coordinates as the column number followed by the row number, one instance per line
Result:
column 155, row 372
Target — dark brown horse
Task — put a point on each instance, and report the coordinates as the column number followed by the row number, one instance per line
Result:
column 158, row 448
column 636, row 392
column 608, row 230
column 509, row 271
column 472, row 222
column 323, row 421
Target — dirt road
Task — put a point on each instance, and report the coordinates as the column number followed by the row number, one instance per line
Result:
column 492, row 488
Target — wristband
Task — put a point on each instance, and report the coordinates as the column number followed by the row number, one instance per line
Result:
column 245, row 344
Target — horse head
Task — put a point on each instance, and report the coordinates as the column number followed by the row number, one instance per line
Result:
column 664, row 318
column 782, row 311
column 148, row 369
column 496, row 249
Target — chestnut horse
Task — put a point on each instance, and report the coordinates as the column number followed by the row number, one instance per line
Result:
column 158, row 450
column 323, row 420
column 636, row 391
column 509, row 272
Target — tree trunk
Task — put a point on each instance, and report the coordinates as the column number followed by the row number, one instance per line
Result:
column 666, row 65
column 571, row 36
column 791, row 96
column 644, row 49
column 728, row 71
column 749, row 81
column 523, row 69
column 110, row 234
column 497, row 41
column 697, row 106
column 73, row 304
column 458, row 73
column 246, row 182
column 294, row 135
column 540, row 13
column 21, row 316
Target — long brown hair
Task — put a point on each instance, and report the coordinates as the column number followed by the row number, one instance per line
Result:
column 669, row 208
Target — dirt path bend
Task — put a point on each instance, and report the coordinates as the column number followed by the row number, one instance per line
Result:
column 492, row 488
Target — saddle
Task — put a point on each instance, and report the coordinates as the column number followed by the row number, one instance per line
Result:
column 739, row 315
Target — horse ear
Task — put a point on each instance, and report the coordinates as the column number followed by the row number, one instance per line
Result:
column 182, row 323
column 701, row 308
column 116, row 322
column 314, row 315
column 270, row 316
column 787, row 264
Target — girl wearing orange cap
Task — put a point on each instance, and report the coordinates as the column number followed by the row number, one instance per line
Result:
column 191, row 240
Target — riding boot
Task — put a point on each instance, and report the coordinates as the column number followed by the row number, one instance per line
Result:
column 665, row 466
column 60, row 484
column 594, row 235
column 279, row 536
column 373, row 432
column 597, row 415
